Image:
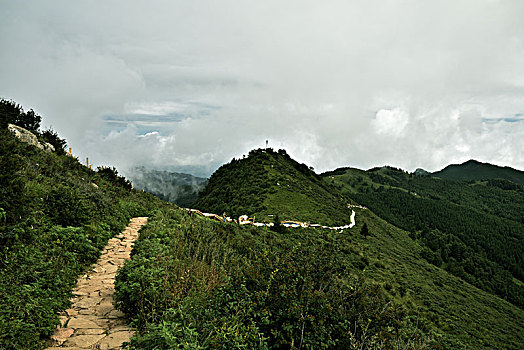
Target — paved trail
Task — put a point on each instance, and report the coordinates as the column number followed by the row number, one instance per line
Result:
column 92, row 322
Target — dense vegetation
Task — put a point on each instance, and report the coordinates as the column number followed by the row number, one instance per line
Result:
column 474, row 230
column 187, row 273
column 474, row 170
column 461, row 312
column 194, row 283
column 55, row 217
column 271, row 183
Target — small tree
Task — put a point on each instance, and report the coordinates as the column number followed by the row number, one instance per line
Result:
column 111, row 174
column 9, row 112
column 29, row 120
column 52, row 137
column 364, row 230
column 13, row 113
column 277, row 225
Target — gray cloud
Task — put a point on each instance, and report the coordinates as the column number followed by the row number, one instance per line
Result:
column 189, row 85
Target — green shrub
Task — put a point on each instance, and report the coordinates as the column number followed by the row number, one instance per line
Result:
column 52, row 137
column 193, row 283
column 111, row 175
column 11, row 183
column 67, row 206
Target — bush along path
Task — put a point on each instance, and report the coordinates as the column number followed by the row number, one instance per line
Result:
column 92, row 322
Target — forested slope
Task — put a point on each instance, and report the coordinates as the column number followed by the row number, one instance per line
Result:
column 475, row 230
column 181, row 189
column 474, row 170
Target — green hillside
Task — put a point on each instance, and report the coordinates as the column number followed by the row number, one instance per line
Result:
column 451, row 304
column 56, row 215
column 270, row 183
column 242, row 273
column 465, row 316
column 474, row 170
column 474, row 230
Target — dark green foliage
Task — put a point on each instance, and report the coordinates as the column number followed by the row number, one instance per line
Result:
column 11, row 182
column 111, row 174
column 29, row 120
column 186, row 197
column 505, row 185
column 277, row 224
column 13, row 113
column 268, row 182
column 474, row 230
column 67, row 206
column 52, row 137
column 201, row 284
column 468, row 317
column 474, row 170
column 364, row 230
column 9, row 112
column 237, row 188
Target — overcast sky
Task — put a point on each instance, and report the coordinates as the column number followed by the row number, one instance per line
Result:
column 188, row 85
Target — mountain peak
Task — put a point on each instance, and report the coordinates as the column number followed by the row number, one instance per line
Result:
column 422, row 172
column 476, row 170
column 269, row 182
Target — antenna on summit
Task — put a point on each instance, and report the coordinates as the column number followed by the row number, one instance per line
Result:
column 266, row 143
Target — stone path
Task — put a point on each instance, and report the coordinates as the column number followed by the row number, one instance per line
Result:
column 92, row 322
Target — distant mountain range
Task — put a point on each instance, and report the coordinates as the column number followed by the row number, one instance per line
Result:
column 181, row 189
column 475, row 170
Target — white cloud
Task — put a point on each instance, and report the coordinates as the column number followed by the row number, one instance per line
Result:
column 156, row 109
column 405, row 83
column 390, row 122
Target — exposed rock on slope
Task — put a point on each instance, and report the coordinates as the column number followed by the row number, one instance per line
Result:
column 30, row 138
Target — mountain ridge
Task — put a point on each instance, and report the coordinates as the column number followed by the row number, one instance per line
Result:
column 179, row 188
column 473, row 229
column 390, row 255
column 231, row 286
column 476, row 170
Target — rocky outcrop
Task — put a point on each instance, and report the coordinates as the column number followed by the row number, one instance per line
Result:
column 27, row 136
